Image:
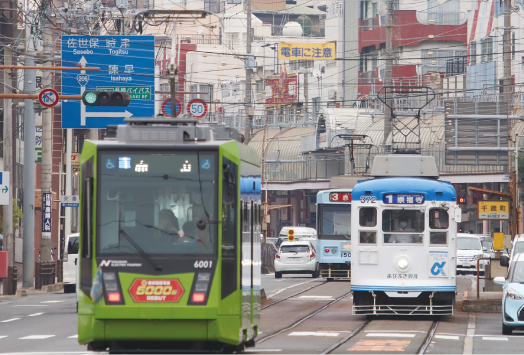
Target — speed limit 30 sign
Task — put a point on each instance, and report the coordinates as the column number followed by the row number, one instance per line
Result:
column 197, row 108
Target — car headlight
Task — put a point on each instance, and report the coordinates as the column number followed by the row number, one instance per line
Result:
column 514, row 295
column 478, row 256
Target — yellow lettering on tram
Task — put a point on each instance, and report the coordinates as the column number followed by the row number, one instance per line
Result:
column 150, row 290
column 141, row 290
column 167, row 290
column 159, row 290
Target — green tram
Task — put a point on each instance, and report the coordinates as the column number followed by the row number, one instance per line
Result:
column 170, row 249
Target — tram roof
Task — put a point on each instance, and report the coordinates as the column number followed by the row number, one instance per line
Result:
column 433, row 190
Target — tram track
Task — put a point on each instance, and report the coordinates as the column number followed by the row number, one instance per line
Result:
column 293, row 295
column 303, row 319
column 421, row 350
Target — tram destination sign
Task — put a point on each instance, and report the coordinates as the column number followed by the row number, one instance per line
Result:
column 340, row 197
column 404, row 199
column 493, row 210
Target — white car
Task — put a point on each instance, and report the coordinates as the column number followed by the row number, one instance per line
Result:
column 469, row 250
column 296, row 258
column 70, row 262
column 517, row 246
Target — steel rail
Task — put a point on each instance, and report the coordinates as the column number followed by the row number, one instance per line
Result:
column 429, row 338
column 302, row 320
column 355, row 332
column 293, row 295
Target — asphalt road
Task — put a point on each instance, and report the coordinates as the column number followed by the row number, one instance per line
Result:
column 46, row 323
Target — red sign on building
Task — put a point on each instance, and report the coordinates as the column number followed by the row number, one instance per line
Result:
column 156, row 290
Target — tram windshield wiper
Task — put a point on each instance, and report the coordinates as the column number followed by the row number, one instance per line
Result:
column 141, row 251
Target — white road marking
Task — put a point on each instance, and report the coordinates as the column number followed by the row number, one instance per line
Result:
column 396, row 331
column 3, row 336
column 468, row 341
column 54, row 353
column 495, row 338
column 51, row 301
column 261, row 350
column 391, row 335
column 315, row 334
column 35, row 314
column 36, row 337
column 10, row 320
column 31, row 305
column 287, row 288
column 73, row 337
column 447, row 337
column 315, row 297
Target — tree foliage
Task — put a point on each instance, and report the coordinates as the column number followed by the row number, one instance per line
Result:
column 17, row 217
column 306, row 23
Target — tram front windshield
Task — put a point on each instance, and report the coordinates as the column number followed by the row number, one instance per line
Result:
column 162, row 203
column 403, row 226
column 335, row 222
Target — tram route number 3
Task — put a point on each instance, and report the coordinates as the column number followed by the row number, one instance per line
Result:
column 203, row 264
column 368, row 199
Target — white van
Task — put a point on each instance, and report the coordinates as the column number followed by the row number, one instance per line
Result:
column 469, row 250
column 70, row 261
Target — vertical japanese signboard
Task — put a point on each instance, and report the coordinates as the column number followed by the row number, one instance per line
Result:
column 46, row 214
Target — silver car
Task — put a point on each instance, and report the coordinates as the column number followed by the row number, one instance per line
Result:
column 296, row 258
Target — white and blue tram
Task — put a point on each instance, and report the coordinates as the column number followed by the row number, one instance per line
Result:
column 404, row 242
column 334, row 233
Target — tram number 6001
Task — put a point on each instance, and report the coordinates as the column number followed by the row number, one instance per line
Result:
column 368, row 199
column 201, row 264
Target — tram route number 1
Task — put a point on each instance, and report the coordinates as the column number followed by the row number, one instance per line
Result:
column 203, row 264
column 368, row 199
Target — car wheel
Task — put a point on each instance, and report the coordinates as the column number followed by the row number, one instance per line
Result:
column 278, row 275
column 506, row 330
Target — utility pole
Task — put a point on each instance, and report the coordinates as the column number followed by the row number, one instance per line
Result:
column 47, row 140
column 8, row 166
column 388, row 79
column 507, row 54
column 249, row 76
column 172, row 71
column 29, row 175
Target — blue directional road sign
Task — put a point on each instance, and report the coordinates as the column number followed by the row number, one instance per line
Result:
column 125, row 62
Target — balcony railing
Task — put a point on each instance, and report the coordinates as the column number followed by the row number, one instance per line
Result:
column 323, row 170
column 369, row 23
column 441, row 18
column 200, row 39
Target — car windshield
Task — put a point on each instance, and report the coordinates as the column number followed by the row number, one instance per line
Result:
column 468, row 243
column 164, row 203
column 294, row 249
column 335, row 220
column 517, row 272
column 519, row 247
column 72, row 245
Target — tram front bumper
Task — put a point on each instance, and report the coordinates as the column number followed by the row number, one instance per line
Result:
column 223, row 329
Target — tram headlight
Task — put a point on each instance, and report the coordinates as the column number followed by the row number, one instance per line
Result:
column 402, row 264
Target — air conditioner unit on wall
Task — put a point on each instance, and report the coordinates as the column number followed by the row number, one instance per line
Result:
column 332, row 94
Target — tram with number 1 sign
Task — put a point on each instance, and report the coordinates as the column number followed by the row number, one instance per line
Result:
column 170, row 249
column 334, row 233
column 404, row 239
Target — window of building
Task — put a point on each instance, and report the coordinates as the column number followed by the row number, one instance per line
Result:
column 260, row 86
column 473, row 53
column 486, row 50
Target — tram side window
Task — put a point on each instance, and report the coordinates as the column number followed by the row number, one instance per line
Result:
column 438, row 218
column 368, row 237
column 368, row 217
column 403, row 226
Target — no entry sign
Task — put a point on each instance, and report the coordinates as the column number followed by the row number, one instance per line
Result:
column 48, row 97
